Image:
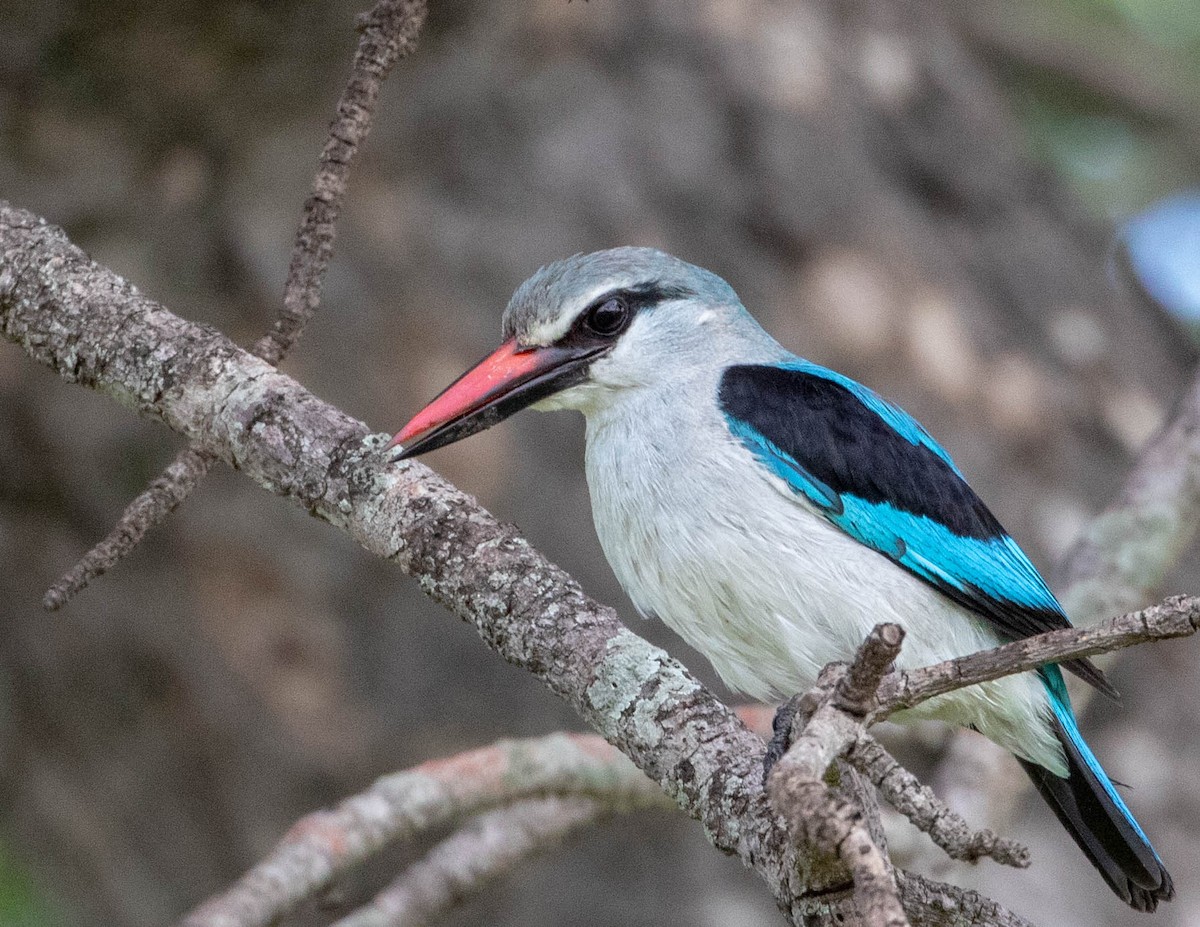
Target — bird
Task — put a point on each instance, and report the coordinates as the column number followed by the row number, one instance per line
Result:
column 772, row 511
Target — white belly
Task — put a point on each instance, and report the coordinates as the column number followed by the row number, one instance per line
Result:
column 748, row 574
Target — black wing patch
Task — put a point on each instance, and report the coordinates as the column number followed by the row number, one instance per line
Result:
column 873, row 471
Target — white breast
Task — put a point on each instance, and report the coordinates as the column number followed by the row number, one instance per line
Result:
column 702, row 536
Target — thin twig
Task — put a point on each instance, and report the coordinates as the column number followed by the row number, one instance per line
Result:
column 149, row 508
column 468, row 861
column 386, row 34
column 927, row 812
column 856, row 691
column 1178, row 616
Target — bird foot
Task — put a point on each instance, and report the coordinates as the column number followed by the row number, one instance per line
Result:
column 781, row 735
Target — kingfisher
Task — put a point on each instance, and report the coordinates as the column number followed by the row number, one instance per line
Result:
column 772, row 511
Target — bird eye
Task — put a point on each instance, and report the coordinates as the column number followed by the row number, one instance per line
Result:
column 608, row 318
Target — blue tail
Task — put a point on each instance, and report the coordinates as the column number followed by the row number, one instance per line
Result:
column 1091, row 810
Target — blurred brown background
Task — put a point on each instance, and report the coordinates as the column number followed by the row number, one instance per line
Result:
column 920, row 193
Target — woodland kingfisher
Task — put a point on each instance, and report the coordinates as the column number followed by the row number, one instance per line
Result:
column 772, row 511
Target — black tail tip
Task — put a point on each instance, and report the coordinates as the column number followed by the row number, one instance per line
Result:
column 1146, row 898
column 1103, row 827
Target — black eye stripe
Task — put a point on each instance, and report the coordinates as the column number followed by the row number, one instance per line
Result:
column 649, row 294
column 642, row 296
column 634, row 298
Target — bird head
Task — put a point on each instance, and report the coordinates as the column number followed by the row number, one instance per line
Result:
column 580, row 333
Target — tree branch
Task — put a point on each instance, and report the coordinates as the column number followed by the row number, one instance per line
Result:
column 324, row 845
column 949, row 831
column 818, row 814
column 471, row 859
column 386, row 34
column 832, row 721
column 943, row 906
column 1126, row 552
